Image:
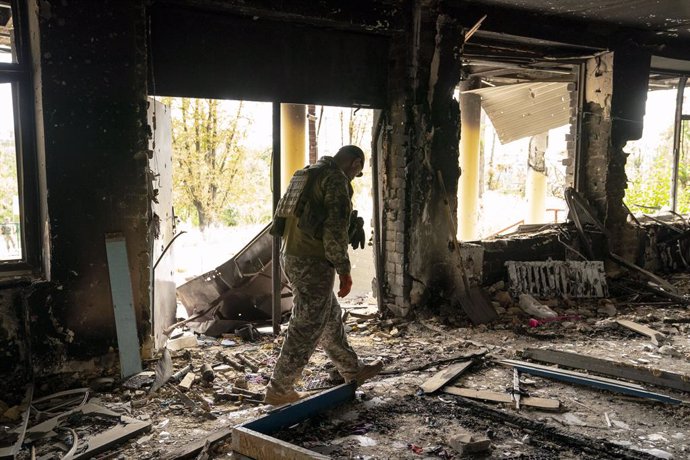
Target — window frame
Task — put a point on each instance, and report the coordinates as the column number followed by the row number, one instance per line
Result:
column 19, row 74
column 682, row 116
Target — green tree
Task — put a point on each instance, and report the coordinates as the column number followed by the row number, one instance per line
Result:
column 8, row 181
column 208, row 157
column 649, row 183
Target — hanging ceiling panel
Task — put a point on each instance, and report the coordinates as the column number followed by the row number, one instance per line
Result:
column 526, row 109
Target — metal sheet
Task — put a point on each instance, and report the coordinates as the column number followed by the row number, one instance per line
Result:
column 163, row 292
column 526, row 109
column 244, row 285
column 123, row 305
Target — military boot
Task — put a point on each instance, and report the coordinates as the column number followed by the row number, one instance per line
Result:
column 365, row 372
column 278, row 398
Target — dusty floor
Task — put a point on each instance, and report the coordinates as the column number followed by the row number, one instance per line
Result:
column 392, row 418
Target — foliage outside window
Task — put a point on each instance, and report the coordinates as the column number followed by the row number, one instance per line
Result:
column 13, row 75
column 650, row 160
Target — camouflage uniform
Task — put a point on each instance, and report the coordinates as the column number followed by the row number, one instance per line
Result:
column 311, row 264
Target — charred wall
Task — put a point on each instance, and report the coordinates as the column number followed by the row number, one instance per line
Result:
column 421, row 140
column 92, row 88
column 15, row 348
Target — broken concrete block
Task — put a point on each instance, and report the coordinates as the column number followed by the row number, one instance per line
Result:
column 187, row 381
column 468, row 443
column 186, row 341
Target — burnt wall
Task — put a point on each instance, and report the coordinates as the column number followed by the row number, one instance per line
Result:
column 15, row 348
column 615, row 94
column 264, row 58
column 422, row 140
column 92, row 88
column 631, row 66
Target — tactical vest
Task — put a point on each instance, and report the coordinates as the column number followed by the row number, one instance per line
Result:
column 298, row 201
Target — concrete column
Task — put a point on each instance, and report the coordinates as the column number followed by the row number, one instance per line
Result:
column 293, row 140
column 535, row 186
column 470, row 115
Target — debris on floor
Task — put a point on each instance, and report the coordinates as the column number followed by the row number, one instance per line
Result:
column 447, row 387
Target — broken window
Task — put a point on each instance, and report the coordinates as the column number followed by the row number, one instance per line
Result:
column 522, row 148
column 16, row 166
column 657, row 166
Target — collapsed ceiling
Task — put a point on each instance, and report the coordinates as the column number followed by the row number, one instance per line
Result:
column 526, row 109
column 670, row 18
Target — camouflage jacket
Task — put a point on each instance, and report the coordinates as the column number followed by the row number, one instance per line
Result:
column 332, row 193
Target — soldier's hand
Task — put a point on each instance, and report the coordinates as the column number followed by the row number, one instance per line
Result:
column 345, row 285
column 357, row 236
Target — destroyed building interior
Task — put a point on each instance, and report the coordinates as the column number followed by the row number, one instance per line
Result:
column 565, row 339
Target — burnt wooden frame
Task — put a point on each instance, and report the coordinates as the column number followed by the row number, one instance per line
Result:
column 254, row 438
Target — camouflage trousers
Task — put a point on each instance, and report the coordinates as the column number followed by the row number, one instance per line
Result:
column 316, row 319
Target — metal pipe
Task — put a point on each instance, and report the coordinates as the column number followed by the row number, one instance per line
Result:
column 677, row 128
column 275, row 250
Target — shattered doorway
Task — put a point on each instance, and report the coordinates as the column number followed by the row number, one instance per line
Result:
column 217, row 200
column 221, row 193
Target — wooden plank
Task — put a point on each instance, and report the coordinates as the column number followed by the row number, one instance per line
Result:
column 258, row 445
column 512, row 362
column 445, row 376
column 611, row 368
column 123, row 305
column 541, row 403
column 654, row 336
column 589, row 380
column 192, row 449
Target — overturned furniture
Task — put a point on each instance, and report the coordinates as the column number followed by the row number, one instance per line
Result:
column 237, row 292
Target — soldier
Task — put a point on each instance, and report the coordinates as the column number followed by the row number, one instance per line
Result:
column 314, row 218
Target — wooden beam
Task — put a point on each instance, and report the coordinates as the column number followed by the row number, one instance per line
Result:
column 611, row 368
column 258, row 445
column 583, row 379
column 654, row 336
column 541, row 403
column 443, row 377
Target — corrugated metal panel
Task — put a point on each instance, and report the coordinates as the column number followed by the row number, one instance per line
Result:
column 526, row 109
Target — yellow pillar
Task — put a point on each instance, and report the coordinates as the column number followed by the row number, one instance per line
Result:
column 293, row 141
column 535, row 188
column 468, row 208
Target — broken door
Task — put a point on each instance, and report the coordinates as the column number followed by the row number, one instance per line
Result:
column 163, row 300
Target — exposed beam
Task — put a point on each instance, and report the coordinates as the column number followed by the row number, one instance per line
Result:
column 589, row 380
column 610, row 368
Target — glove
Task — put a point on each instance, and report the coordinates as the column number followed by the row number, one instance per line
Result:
column 356, row 231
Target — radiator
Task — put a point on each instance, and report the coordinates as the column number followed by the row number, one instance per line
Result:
column 558, row 278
